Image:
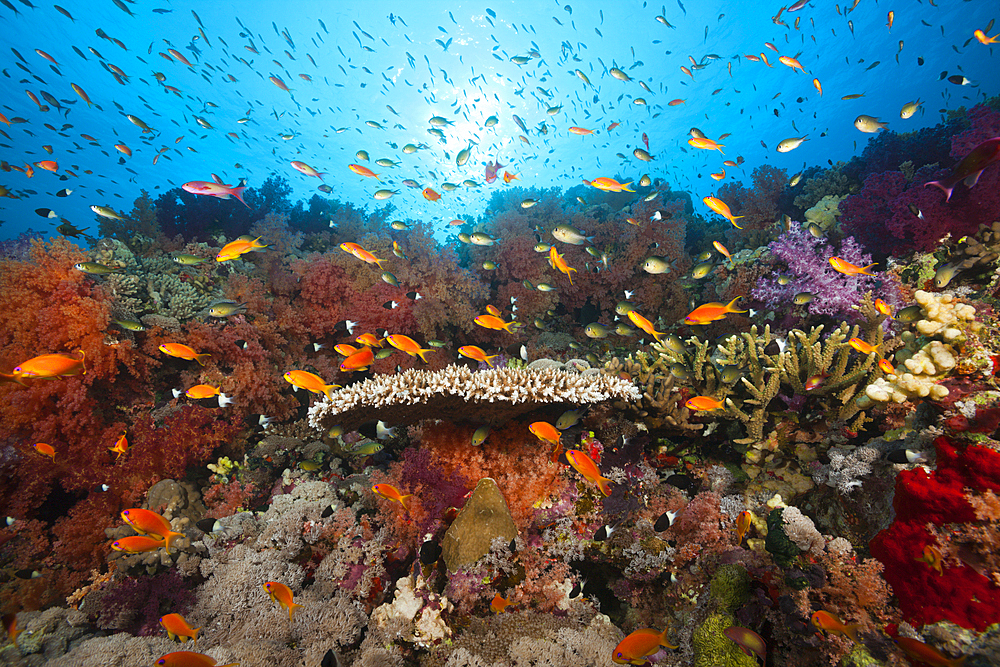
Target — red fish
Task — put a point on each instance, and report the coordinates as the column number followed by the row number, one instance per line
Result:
column 281, row 594
column 151, row 523
column 927, row 655
column 216, row 189
column 711, row 312
column 586, row 467
column 491, row 170
column 190, row 659
column 49, row 366
column 359, row 361
column 645, row 140
column 971, row 166
column 639, row 645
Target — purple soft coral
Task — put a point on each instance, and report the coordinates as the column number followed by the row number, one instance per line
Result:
column 807, row 259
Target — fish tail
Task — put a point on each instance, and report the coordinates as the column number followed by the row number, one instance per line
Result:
column 202, row 358
column 169, row 538
column 420, row 351
column 864, row 270
column 292, row 606
column 487, row 360
column 946, row 190
column 329, row 388
column 731, row 304
column 603, row 483
column 625, row 187
column 656, row 334
column 83, row 362
column 406, row 501
column 851, row 631
column 378, row 261
column 508, row 325
column 238, row 193
column 663, row 640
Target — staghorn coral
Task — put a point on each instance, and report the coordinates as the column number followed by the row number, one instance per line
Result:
column 490, row 396
column 661, row 403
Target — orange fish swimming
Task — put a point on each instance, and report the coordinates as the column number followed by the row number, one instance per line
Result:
column 499, row 604
column 586, row 467
column 303, row 168
column 477, row 353
column 431, row 195
column 359, row 361
column 279, row 83
column 557, row 262
column 508, row 177
column 984, row 39
column 548, row 433
column 361, row 253
column 190, row 659
column 824, row 620
column 706, row 144
column 120, row 447
column 494, row 322
column 182, row 351
column 743, row 523
column 408, row 345
column 203, row 391
column 863, row 347
column 927, row 655
column 48, row 165
column 608, row 184
column 722, row 209
column 150, row 523
column 49, row 366
column 45, row 450
column 932, row 556
column 213, row 189
column 711, row 312
column 580, row 131
column 818, row 86
column 634, row 649
column 345, row 349
column 361, row 170
column 369, row 339
column 238, row 248
column 788, row 61
column 178, row 629
column 389, row 492
column 137, row 544
column 703, row 403
column 310, row 382
column 848, row 269
column 281, row 594
column 644, row 324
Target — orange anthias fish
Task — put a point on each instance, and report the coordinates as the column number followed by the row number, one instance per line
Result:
column 45, row 450
column 389, row 492
column 238, row 248
column 345, row 349
column 703, row 403
column 49, row 366
column 886, row 367
column 279, row 83
column 824, row 620
column 369, row 339
column 749, row 641
column 190, row 659
column 408, row 345
column 182, row 351
column 722, row 209
column 548, row 433
column 848, row 269
column 743, row 523
column 79, row 91
column 213, row 189
column 431, row 195
column 137, row 544
column 634, row 649
column 150, row 523
column 48, row 165
column 477, row 353
column 862, row 347
column 721, row 248
column 178, row 629
column 705, row 143
column 791, row 62
column 927, row 655
column 557, row 262
column 359, row 361
column 361, row 170
column 203, row 391
column 361, row 253
column 580, row 131
column 818, row 86
column 644, row 324
column 711, row 312
column 608, row 184
column 508, row 177
column 984, row 39
column 281, row 594
column 310, row 382
column 586, row 467
column 933, row 558
column 499, row 604
column 120, row 447
column 884, row 308
column 494, row 322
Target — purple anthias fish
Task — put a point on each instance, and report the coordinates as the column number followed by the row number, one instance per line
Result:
column 491, row 170
column 970, row 167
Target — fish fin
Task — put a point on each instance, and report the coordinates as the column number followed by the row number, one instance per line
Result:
column 169, row 538
column 864, row 270
column 83, row 361
column 330, row 387
column 972, row 179
column 603, row 483
column 406, row 502
column 238, row 193
column 292, row 606
column 731, row 304
column 420, row 351
column 202, row 358
column 851, row 631
column 663, row 640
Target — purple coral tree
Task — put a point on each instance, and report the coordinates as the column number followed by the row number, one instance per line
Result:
column 807, row 259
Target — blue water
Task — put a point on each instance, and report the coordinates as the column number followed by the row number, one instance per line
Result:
column 323, row 121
